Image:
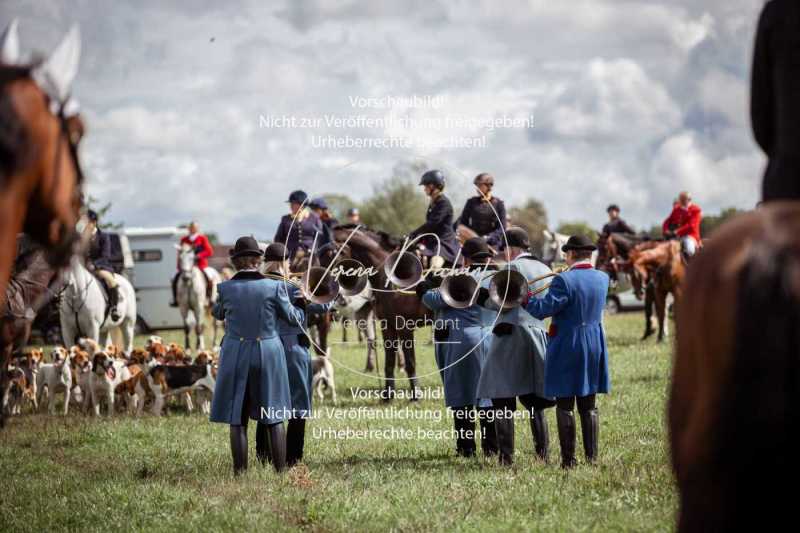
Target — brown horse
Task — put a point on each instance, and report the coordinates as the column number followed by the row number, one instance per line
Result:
column 661, row 263
column 32, row 285
column 733, row 410
column 40, row 176
column 398, row 312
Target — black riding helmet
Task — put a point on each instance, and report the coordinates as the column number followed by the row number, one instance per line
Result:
column 433, row 177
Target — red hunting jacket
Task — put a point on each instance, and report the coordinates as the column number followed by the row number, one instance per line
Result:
column 686, row 221
column 202, row 249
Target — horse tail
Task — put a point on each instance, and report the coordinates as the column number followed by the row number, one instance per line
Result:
column 754, row 446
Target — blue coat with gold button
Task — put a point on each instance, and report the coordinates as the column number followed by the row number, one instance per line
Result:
column 577, row 356
column 252, row 360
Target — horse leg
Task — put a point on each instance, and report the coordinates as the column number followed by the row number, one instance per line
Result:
column 127, row 328
column 389, row 347
column 648, row 311
column 410, row 362
column 200, row 331
column 660, row 304
column 5, row 359
column 324, row 328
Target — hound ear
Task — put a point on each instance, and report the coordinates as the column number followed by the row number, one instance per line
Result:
column 9, row 45
column 56, row 74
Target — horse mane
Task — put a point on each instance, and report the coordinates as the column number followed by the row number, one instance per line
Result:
column 15, row 146
column 383, row 238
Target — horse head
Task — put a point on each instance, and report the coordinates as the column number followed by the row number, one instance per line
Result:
column 39, row 147
column 186, row 261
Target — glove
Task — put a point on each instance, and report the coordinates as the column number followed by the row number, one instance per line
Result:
column 300, row 303
column 483, row 295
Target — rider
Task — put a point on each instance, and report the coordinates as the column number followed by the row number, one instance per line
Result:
column 99, row 261
column 684, row 223
column 202, row 251
column 483, row 213
column 320, row 207
column 353, row 216
column 615, row 224
column 438, row 220
column 297, row 229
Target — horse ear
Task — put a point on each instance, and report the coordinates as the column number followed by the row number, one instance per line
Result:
column 9, row 45
column 56, row 74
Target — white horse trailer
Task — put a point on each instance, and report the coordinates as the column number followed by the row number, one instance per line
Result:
column 154, row 260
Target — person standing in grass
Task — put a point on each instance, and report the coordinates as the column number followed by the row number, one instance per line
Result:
column 460, row 348
column 296, row 345
column 252, row 380
column 577, row 357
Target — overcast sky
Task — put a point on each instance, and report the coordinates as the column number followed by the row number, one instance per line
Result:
column 632, row 101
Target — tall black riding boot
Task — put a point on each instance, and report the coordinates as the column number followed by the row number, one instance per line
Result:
column 465, row 432
column 590, row 429
column 566, row 436
column 295, row 441
column 505, row 439
column 541, row 434
column 262, row 444
column 488, row 434
column 239, row 448
column 113, row 302
column 277, row 446
column 174, row 302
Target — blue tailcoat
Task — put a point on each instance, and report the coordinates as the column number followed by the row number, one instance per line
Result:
column 461, row 355
column 516, row 362
column 252, row 354
column 577, row 357
column 298, row 358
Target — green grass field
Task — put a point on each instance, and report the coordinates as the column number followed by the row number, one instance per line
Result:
column 174, row 473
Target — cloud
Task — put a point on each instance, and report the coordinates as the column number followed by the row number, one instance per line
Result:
column 632, row 101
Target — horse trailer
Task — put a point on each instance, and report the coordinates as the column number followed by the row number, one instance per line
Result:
column 154, row 265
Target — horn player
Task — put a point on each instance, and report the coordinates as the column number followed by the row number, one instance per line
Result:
column 577, row 356
column 515, row 365
column 461, row 342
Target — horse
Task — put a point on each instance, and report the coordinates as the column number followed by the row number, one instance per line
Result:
column 732, row 408
column 662, row 263
column 33, row 283
column 84, row 312
column 551, row 247
column 40, row 174
column 359, row 309
column 399, row 312
column 613, row 253
column 192, row 296
column 317, row 323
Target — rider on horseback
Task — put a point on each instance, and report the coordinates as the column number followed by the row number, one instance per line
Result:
column 485, row 214
column 684, row 224
column 320, row 207
column 615, row 224
column 438, row 220
column 202, row 251
column 297, row 229
column 98, row 261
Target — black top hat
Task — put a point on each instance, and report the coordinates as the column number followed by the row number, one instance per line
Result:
column 518, row 238
column 245, row 246
column 275, row 252
column 476, row 248
column 579, row 242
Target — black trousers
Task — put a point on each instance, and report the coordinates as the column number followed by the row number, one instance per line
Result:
column 585, row 403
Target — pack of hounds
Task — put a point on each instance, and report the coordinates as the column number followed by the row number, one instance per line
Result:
column 91, row 377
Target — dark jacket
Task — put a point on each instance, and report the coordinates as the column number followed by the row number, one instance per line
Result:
column 439, row 221
column 617, row 226
column 299, row 233
column 100, row 251
column 486, row 220
column 775, row 97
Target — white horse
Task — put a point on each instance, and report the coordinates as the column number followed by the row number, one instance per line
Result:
column 191, row 296
column 551, row 249
column 82, row 309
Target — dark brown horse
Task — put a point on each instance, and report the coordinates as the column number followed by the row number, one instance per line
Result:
column 321, row 322
column 661, row 263
column 733, row 407
column 32, row 284
column 398, row 312
column 40, row 175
